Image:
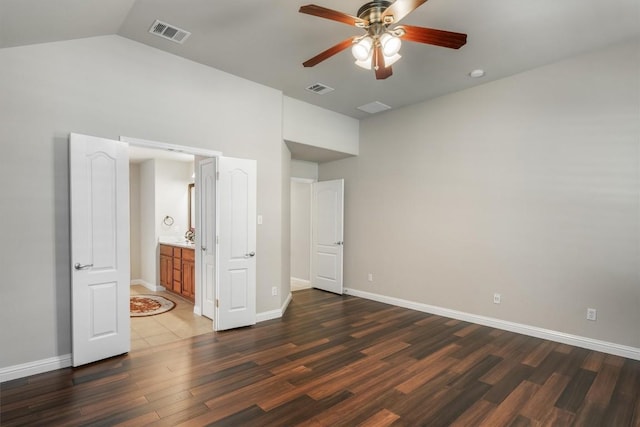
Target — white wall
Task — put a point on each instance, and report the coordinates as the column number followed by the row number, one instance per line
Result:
column 134, row 220
column 285, row 221
column 311, row 125
column 162, row 190
column 172, row 181
column 303, row 169
column 301, row 218
column 110, row 86
column 148, row 240
column 527, row 186
column 300, row 229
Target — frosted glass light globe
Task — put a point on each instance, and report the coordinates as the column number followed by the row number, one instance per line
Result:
column 390, row 44
column 362, row 49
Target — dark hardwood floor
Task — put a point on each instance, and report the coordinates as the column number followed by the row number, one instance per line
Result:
column 339, row 361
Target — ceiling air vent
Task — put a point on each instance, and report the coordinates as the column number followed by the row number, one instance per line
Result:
column 169, row 32
column 319, row 88
column 374, row 107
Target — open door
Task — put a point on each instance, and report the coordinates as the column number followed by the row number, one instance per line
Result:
column 206, row 233
column 327, row 235
column 236, row 287
column 99, row 197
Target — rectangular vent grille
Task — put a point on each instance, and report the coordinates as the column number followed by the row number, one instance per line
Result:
column 374, row 107
column 169, row 32
column 319, row 88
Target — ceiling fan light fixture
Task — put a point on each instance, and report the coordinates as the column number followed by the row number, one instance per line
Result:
column 362, row 50
column 390, row 60
column 366, row 64
column 390, row 44
column 379, row 48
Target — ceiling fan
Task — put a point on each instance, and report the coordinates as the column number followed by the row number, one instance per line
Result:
column 378, row 48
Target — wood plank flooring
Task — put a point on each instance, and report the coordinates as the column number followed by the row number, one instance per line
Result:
column 339, row 361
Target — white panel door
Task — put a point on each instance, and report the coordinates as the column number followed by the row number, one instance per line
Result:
column 236, row 285
column 99, row 195
column 206, row 230
column 327, row 235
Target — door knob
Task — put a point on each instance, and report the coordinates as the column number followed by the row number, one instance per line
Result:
column 204, row 248
column 78, row 266
column 340, row 243
column 250, row 254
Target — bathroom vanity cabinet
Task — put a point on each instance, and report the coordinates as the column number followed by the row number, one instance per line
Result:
column 177, row 269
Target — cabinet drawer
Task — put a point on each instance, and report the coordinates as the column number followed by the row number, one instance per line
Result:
column 176, row 252
column 166, row 250
column 188, row 255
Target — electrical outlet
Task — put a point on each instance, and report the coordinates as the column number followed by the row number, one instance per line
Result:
column 592, row 314
column 497, row 298
column 274, row 291
column 370, row 277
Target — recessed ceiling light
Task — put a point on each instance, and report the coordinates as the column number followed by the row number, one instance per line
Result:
column 476, row 73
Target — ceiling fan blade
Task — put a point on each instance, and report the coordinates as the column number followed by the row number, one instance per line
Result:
column 401, row 8
column 382, row 72
column 334, row 15
column 435, row 37
column 328, row 53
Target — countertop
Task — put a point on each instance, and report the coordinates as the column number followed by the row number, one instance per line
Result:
column 179, row 244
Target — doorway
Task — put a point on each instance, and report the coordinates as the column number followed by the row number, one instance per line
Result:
column 163, row 218
column 317, row 218
column 301, row 197
column 100, row 283
column 100, row 280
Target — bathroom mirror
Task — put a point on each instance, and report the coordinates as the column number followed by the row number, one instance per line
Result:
column 192, row 207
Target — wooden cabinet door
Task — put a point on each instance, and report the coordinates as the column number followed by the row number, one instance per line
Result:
column 166, row 271
column 188, row 279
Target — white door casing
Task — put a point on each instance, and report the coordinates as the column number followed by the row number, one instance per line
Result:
column 236, row 284
column 327, row 235
column 206, row 233
column 99, row 198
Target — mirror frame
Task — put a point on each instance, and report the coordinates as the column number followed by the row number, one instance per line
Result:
column 191, row 207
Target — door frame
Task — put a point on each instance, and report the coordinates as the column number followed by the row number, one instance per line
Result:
column 199, row 289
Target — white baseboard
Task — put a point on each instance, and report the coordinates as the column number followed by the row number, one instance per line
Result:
column 274, row 314
column 298, row 284
column 32, row 368
column 151, row 287
column 285, row 304
column 533, row 331
column 45, row 365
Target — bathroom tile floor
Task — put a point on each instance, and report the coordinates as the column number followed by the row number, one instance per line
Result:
column 171, row 326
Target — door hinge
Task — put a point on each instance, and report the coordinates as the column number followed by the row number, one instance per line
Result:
column 217, row 240
column 217, row 175
column 217, row 303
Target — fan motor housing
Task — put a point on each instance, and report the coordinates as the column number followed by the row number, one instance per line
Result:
column 372, row 11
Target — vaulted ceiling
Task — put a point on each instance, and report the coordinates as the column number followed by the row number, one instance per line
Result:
column 266, row 41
